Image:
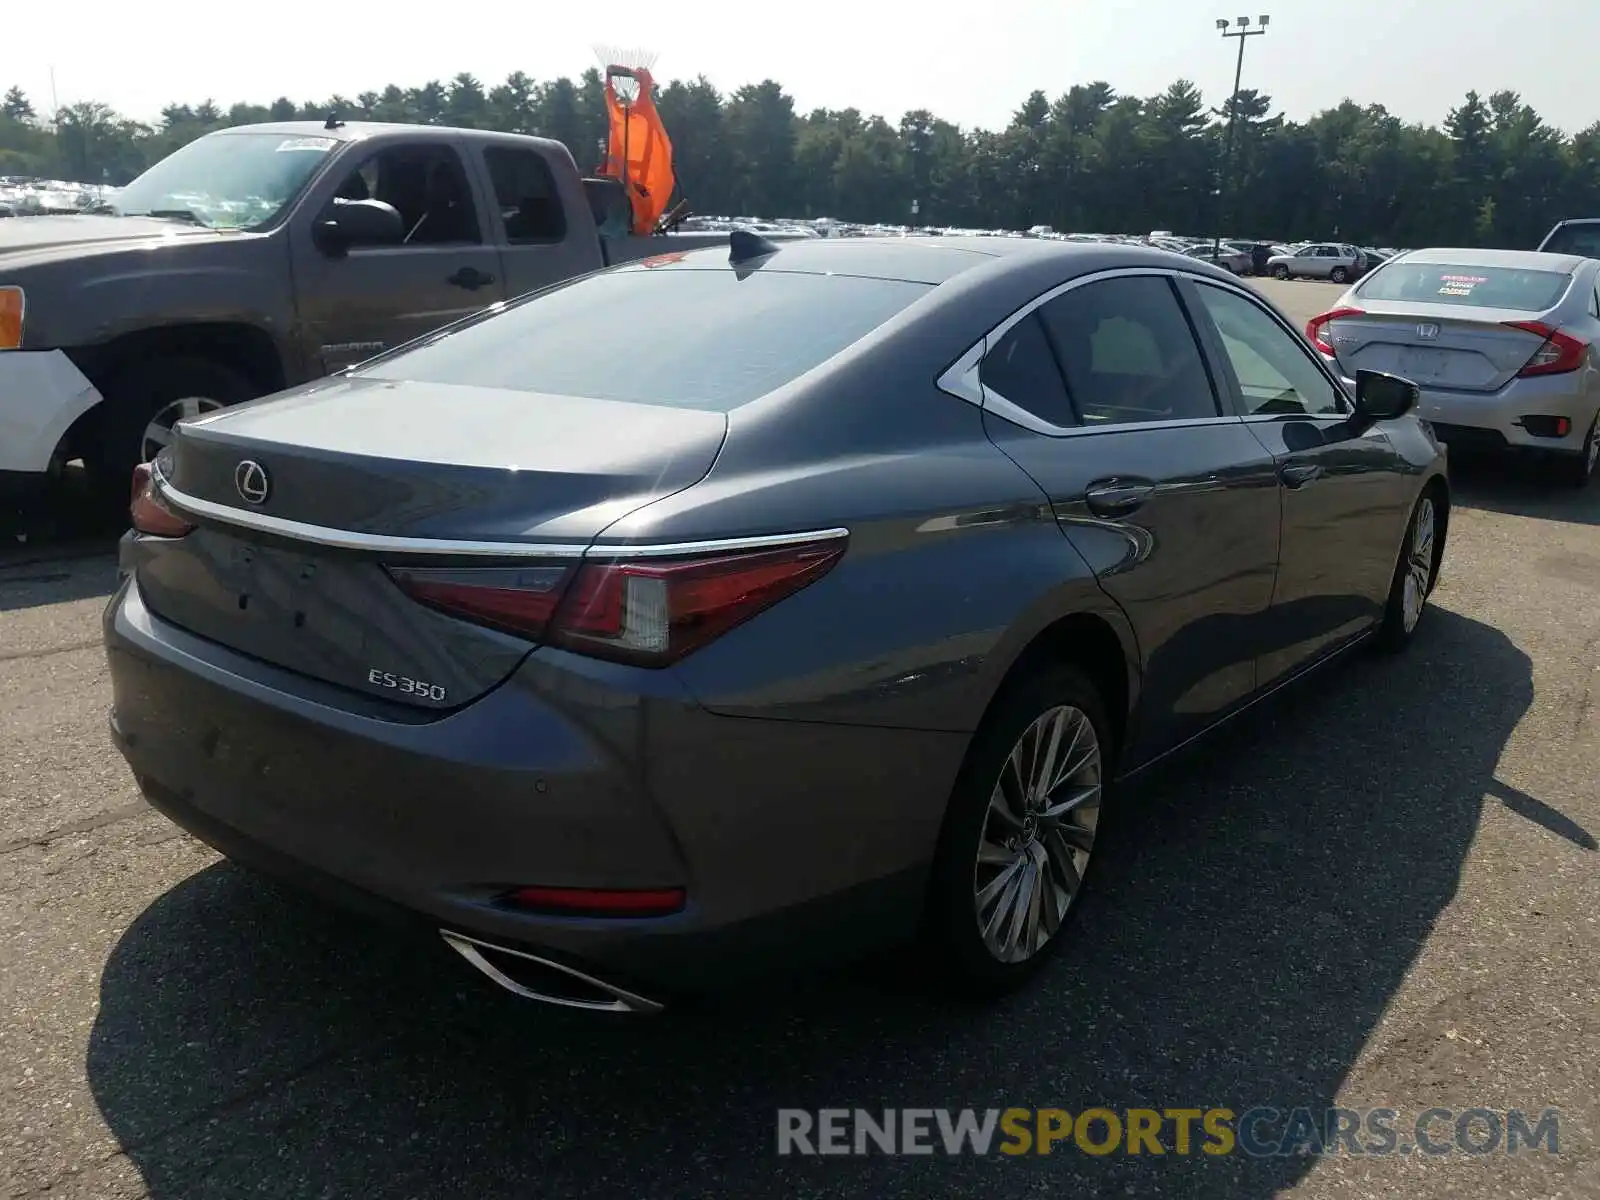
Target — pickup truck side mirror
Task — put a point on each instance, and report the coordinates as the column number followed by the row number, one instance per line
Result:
column 347, row 223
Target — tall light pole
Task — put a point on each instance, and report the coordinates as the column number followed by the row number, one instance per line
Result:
column 1240, row 30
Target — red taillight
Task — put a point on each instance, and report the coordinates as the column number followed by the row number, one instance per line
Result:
column 1317, row 324
column 515, row 600
column 599, row 902
column 1560, row 353
column 147, row 512
column 645, row 611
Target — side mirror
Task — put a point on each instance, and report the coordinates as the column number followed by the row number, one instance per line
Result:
column 348, row 223
column 1382, row 397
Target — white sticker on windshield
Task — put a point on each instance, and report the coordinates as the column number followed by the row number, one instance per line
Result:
column 307, row 143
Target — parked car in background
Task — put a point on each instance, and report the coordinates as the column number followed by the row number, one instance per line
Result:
column 1334, row 261
column 1503, row 344
column 1372, row 259
column 1236, row 262
column 632, row 671
column 1579, row 235
column 1260, row 253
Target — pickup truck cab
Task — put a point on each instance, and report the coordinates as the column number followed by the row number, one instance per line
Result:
column 262, row 256
column 1580, row 236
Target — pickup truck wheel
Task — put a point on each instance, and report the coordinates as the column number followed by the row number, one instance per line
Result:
column 144, row 401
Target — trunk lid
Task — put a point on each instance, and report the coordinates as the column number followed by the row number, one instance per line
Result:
column 418, row 473
column 1468, row 349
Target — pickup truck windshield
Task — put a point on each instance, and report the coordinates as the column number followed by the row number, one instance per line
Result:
column 227, row 180
column 1580, row 238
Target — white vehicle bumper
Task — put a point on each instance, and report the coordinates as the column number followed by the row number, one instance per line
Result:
column 41, row 394
column 1519, row 416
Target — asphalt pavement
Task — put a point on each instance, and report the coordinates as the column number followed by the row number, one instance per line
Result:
column 1382, row 892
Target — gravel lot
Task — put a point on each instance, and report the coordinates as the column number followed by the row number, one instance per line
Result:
column 1381, row 893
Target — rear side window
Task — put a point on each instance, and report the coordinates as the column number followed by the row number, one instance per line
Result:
column 1473, row 286
column 525, row 192
column 1022, row 369
column 1128, row 352
column 678, row 337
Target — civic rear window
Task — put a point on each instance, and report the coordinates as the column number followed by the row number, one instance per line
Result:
column 1479, row 287
column 680, row 337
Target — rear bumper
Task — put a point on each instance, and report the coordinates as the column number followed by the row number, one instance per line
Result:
column 41, row 394
column 1500, row 420
column 796, row 842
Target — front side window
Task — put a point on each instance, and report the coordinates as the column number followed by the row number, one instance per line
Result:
column 1128, row 353
column 525, row 192
column 1275, row 373
column 678, row 336
column 427, row 186
column 227, row 180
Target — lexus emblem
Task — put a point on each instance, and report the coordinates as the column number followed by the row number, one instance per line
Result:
column 250, row 478
column 1427, row 331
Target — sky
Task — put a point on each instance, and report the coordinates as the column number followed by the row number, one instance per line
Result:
column 972, row 64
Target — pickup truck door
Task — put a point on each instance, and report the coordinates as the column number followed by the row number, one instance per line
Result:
column 539, row 214
column 354, row 305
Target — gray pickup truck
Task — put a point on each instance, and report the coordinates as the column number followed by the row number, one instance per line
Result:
column 259, row 257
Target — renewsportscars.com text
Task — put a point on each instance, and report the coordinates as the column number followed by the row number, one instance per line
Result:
column 1259, row 1132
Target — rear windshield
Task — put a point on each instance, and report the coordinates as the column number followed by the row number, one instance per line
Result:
column 679, row 337
column 1478, row 287
column 1582, row 240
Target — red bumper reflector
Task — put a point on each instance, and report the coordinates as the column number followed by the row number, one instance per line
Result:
column 599, row 902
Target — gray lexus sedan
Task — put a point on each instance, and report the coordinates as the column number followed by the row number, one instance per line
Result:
column 745, row 606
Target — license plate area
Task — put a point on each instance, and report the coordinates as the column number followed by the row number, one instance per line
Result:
column 274, row 587
column 1418, row 364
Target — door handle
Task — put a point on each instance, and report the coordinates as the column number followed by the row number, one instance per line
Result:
column 1117, row 497
column 1297, row 475
column 470, row 278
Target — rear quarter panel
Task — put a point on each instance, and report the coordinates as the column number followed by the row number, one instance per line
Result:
column 955, row 563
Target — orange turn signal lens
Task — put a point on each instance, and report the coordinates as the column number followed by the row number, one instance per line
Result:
column 12, row 304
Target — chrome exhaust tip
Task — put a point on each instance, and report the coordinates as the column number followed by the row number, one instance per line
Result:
column 534, row 978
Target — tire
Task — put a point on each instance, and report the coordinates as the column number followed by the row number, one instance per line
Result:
column 156, row 390
column 1026, row 715
column 1578, row 469
column 1339, row 275
column 1416, row 570
column 1280, row 272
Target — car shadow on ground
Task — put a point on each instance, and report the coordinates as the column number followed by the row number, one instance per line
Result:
column 1257, row 907
column 1521, row 487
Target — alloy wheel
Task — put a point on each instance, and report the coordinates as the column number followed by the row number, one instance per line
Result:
column 1038, row 833
column 1419, row 564
column 158, row 430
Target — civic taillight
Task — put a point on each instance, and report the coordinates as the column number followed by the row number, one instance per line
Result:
column 146, row 510
column 1319, row 323
column 640, row 610
column 1560, row 353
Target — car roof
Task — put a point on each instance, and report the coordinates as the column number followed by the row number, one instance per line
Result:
column 929, row 260
column 1527, row 260
column 356, row 131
